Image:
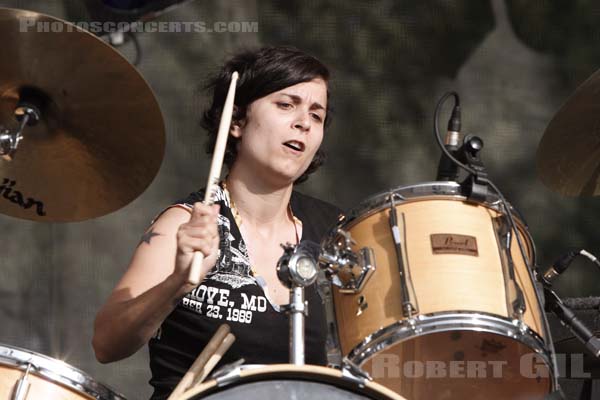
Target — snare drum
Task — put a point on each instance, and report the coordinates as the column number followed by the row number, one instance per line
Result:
column 465, row 337
column 287, row 381
column 47, row 378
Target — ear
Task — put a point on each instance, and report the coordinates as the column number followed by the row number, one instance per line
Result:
column 236, row 127
column 235, row 130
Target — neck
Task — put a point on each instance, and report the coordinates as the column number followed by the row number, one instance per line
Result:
column 259, row 203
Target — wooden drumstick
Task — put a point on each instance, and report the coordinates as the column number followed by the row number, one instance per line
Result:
column 199, row 367
column 215, row 169
column 213, row 359
column 208, row 367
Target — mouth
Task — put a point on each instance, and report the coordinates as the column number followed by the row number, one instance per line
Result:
column 295, row 145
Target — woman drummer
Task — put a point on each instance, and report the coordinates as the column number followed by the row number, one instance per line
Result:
column 279, row 117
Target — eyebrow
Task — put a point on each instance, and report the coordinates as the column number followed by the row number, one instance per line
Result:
column 297, row 99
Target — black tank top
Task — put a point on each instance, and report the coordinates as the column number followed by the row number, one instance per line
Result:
column 232, row 294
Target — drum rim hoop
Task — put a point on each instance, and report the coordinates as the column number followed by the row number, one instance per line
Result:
column 439, row 191
column 56, row 371
column 292, row 372
column 471, row 321
column 422, row 191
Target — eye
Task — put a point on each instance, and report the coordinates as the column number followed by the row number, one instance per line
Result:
column 284, row 106
column 317, row 117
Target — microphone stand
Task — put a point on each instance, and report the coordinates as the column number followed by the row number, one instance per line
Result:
column 564, row 314
column 297, row 269
column 298, row 310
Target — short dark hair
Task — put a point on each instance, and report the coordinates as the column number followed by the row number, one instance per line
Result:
column 261, row 72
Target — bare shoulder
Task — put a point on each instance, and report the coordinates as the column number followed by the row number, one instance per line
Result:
column 163, row 227
column 172, row 217
column 154, row 258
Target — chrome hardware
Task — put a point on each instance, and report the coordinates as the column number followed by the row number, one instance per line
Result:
column 407, row 329
column 22, row 386
column 9, row 141
column 346, row 268
column 354, row 373
column 228, row 373
column 55, row 371
column 515, row 299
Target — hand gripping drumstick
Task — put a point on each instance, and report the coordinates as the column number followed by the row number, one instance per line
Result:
column 215, row 169
column 206, row 360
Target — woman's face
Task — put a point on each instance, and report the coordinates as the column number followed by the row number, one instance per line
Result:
column 282, row 132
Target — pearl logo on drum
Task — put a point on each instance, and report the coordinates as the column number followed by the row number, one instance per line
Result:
column 449, row 243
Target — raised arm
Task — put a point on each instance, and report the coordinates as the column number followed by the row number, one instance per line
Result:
column 155, row 280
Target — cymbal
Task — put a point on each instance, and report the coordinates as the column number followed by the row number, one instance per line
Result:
column 568, row 157
column 100, row 140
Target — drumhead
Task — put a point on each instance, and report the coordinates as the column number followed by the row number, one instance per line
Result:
column 55, row 371
column 286, row 381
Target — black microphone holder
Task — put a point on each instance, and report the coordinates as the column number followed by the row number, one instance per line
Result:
column 569, row 320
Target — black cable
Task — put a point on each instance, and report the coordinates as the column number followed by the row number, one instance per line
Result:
column 511, row 222
column 436, row 130
column 589, row 256
column 564, row 261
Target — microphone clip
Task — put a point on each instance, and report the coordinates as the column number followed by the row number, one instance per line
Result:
column 475, row 186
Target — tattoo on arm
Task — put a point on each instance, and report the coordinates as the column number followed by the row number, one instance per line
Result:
column 147, row 237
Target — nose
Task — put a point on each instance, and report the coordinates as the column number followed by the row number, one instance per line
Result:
column 302, row 121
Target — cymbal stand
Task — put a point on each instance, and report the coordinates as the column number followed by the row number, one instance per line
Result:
column 26, row 114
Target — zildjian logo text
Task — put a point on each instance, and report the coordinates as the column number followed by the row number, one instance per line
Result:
column 8, row 191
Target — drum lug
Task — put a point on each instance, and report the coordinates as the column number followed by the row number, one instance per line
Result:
column 515, row 299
